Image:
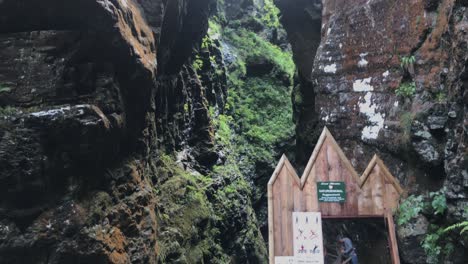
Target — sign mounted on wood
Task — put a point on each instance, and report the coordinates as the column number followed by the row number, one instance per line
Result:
column 331, row 192
column 284, row 260
column 307, row 237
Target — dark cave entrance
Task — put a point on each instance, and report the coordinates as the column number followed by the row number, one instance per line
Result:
column 369, row 235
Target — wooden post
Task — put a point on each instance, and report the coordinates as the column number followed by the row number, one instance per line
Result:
column 393, row 240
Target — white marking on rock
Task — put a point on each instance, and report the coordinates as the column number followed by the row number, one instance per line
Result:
column 328, row 31
column 395, row 104
column 376, row 119
column 59, row 111
column 330, row 68
column 363, row 62
column 340, row 45
column 363, row 85
column 385, row 74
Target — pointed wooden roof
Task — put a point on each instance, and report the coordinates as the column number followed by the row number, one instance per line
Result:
column 327, row 135
column 284, row 164
column 376, row 161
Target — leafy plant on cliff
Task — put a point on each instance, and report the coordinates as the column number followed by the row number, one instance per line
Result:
column 433, row 247
column 462, row 225
column 271, row 16
column 4, row 89
column 406, row 89
column 441, row 97
column 251, row 48
column 187, row 218
column 406, row 61
column 409, row 209
column 438, row 203
column 197, row 63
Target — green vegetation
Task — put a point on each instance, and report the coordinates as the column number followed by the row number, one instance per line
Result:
column 197, row 63
column 189, row 234
column 406, row 89
column 434, row 247
column 271, row 16
column 214, row 29
column 409, row 209
column 251, row 48
column 462, row 225
column 4, row 89
column 201, row 211
column 436, row 243
column 406, row 61
column 439, row 203
column 441, row 97
column 412, row 206
column 8, row 110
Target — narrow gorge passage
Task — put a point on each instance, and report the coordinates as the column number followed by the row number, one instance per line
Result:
column 145, row 131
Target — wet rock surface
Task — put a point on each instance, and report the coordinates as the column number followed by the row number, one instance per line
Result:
column 93, row 92
column 358, row 72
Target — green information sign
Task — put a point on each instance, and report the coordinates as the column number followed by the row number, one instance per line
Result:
column 331, row 192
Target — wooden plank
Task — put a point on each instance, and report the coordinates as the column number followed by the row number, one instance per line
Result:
column 393, row 240
column 389, row 176
column 310, row 192
column 271, row 238
column 365, row 200
column 391, row 199
column 314, row 155
column 277, row 217
column 378, row 191
column 298, row 198
column 287, row 206
column 353, row 191
column 322, row 175
column 334, row 173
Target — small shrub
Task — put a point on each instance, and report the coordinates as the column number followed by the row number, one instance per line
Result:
column 436, row 244
column 441, row 97
column 439, row 203
column 197, row 63
column 431, row 245
column 214, row 29
column 406, row 61
column 406, row 89
column 8, row 110
column 270, row 18
column 409, row 209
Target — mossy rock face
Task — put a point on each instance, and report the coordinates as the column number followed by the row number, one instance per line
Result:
column 187, row 233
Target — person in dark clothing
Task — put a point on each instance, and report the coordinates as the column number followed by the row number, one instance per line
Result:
column 348, row 250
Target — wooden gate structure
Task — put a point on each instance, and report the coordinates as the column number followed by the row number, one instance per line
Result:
column 374, row 194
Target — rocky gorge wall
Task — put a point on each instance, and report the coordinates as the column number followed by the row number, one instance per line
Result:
column 389, row 77
column 119, row 141
column 138, row 131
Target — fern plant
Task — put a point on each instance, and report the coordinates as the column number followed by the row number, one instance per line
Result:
column 4, row 89
column 409, row 209
column 463, row 225
column 439, row 203
column 406, row 61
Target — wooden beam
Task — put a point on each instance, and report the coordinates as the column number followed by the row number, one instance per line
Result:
column 393, row 240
